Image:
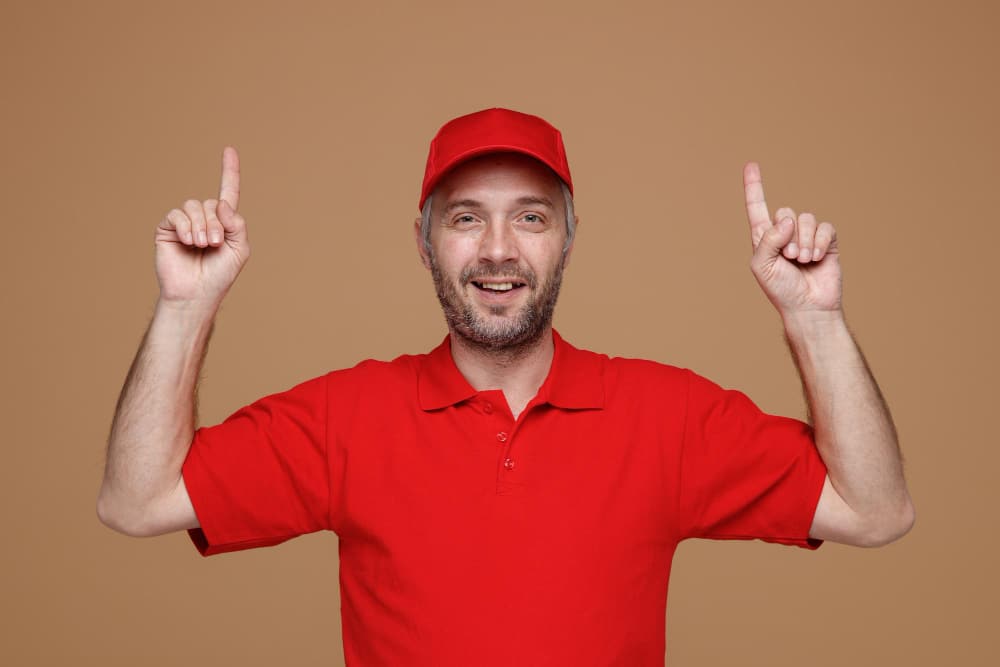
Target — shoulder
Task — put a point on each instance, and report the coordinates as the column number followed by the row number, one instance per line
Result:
column 631, row 383
column 632, row 379
column 632, row 367
column 628, row 368
column 624, row 372
column 375, row 374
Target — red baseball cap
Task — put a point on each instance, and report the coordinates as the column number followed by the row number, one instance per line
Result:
column 493, row 131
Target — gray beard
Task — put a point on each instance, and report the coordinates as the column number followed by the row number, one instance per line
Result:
column 513, row 337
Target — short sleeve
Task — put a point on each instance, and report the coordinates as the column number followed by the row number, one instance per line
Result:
column 745, row 474
column 260, row 477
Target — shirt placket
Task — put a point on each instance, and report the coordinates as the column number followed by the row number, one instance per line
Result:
column 501, row 435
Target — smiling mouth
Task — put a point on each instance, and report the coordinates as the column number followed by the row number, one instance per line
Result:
column 494, row 286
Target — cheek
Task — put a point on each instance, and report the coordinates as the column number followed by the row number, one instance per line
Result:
column 545, row 255
column 454, row 252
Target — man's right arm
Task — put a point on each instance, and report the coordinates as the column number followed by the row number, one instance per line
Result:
column 200, row 251
column 143, row 492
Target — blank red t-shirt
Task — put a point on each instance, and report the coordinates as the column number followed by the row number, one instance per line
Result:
column 471, row 538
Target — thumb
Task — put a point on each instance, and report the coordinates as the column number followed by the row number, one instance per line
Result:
column 775, row 239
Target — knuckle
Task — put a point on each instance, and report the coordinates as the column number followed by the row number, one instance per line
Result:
column 179, row 220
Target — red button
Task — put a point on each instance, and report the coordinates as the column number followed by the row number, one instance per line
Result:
column 508, row 464
column 487, row 408
column 502, row 436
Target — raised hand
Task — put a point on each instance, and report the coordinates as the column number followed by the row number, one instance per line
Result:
column 795, row 259
column 202, row 246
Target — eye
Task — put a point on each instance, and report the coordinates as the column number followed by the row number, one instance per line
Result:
column 532, row 217
column 465, row 219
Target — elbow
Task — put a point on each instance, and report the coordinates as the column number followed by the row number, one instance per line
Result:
column 110, row 516
column 891, row 526
column 120, row 517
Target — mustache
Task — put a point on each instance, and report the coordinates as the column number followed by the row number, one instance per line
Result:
column 505, row 270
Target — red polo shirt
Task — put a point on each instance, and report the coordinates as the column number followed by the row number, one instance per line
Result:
column 470, row 538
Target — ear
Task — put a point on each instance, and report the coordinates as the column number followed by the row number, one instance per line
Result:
column 419, row 238
column 569, row 250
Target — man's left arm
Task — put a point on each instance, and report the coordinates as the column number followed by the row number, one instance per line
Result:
column 864, row 501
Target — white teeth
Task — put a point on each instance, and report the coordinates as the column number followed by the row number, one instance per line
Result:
column 498, row 287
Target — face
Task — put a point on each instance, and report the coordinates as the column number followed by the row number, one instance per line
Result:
column 497, row 249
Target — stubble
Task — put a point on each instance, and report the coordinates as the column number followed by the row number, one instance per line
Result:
column 510, row 336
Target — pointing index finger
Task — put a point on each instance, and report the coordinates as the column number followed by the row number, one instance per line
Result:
column 757, row 215
column 229, row 190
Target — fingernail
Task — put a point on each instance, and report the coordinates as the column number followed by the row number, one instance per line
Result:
column 202, row 239
column 815, row 253
column 805, row 255
column 793, row 249
column 215, row 237
column 187, row 238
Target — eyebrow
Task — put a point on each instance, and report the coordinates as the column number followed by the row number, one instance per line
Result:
column 461, row 203
column 544, row 201
column 521, row 201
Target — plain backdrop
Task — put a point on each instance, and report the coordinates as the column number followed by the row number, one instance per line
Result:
column 877, row 116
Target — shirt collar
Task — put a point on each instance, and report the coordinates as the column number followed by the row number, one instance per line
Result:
column 575, row 380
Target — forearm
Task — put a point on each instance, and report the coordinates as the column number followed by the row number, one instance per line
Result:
column 155, row 418
column 853, row 427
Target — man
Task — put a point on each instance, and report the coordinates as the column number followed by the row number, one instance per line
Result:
column 506, row 499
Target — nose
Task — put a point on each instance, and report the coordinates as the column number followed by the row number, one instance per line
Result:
column 498, row 243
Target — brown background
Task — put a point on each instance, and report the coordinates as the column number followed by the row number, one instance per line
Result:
column 880, row 117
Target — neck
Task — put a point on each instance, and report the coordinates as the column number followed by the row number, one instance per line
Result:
column 519, row 372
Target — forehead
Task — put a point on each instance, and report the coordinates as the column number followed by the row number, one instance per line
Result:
column 498, row 174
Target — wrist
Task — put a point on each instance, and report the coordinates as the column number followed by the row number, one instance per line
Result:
column 810, row 324
column 819, row 342
column 187, row 310
column 186, row 323
column 816, row 336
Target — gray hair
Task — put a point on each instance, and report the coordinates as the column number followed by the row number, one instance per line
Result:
column 425, row 218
